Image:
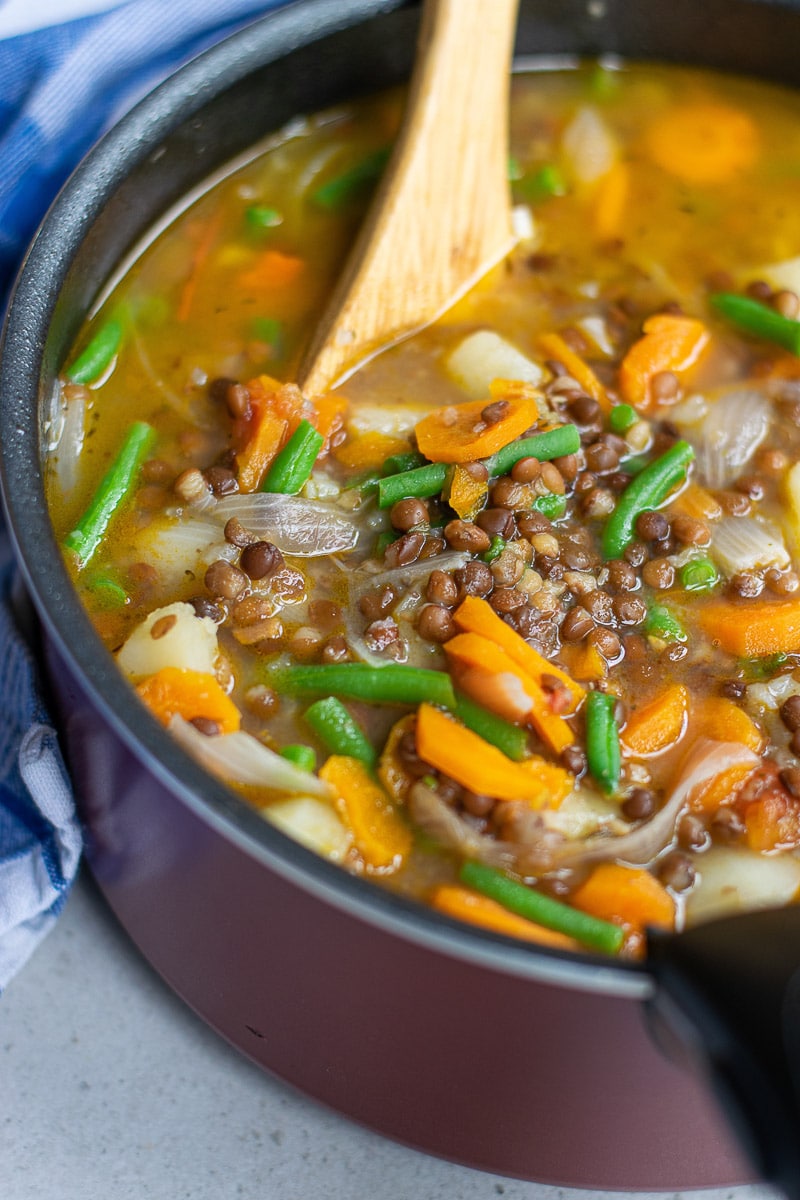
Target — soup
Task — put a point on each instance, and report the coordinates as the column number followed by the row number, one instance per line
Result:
column 509, row 621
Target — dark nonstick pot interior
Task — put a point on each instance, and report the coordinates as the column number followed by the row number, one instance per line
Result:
column 164, row 839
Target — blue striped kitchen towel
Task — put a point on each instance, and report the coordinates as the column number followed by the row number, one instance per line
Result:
column 61, row 85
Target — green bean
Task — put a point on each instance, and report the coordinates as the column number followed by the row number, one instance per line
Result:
column 338, row 192
column 551, row 505
column 518, row 898
column 602, row 740
column 383, row 541
column 759, row 319
column 392, row 684
column 97, row 356
column 108, row 592
column 261, row 216
column 114, row 490
column 424, row 481
column 663, row 624
column 621, row 417
column 269, row 330
column 295, row 462
column 302, row 756
column 546, row 182
column 699, row 575
column 335, row 727
column 496, row 548
column 405, row 460
column 646, row 491
column 555, row 443
column 509, row 738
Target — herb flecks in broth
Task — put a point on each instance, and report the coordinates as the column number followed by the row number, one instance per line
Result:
column 510, row 622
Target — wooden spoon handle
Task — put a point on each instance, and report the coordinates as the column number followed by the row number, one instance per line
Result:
column 442, row 214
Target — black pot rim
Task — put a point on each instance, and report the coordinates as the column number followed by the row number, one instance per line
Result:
column 67, row 625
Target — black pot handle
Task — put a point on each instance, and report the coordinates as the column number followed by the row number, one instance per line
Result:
column 730, row 990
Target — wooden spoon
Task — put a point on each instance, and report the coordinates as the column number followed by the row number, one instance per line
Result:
column 442, row 214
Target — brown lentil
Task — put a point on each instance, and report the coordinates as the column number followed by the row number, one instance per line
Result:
column 441, row 589
column 475, row 579
column 463, row 535
column 576, row 624
column 629, row 610
column 659, row 573
column 746, row 584
column 376, row 603
column 221, row 480
column 408, row 513
column 676, row 871
column 495, row 411
column 506, row 600
column 790, row 713
column 435, row 624
column 621, row 575
column 225, row 580
column 690, row 531
column 496, row 522
column 639, row 804
column 652, row 526
column 607, row 643
column 405, row 550
column 787, row 304
column 335, row 649
column 526, row 470
column 236, row 534
column 665, row 387
column 260, row 559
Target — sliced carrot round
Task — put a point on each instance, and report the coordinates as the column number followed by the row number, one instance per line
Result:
column 460, row 433
column 704, row 143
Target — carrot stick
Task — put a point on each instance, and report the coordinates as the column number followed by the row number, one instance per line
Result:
column 467, row 494
column 466, row 905
column 379, row 832
column 721, row 789
column 329, row 419
column 627, row 894
column 477, row 616
column 585, row 662
column 670, row 343
column 458, row 433
column 753, row 630
column 178, row 691
column 611, row 198
column 477, row 652
column 553, row 346
column 659, row 724
column 474, row 763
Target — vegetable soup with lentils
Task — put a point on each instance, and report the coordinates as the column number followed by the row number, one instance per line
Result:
column 510, row 620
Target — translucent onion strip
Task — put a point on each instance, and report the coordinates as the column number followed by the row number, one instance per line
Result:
column 305, row 528
column 735, row 427
column 745, row 544
column 241, row 758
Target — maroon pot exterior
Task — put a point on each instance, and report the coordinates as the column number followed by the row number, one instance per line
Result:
column 485, row 1068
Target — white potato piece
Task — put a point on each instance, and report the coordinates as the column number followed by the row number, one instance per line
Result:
column 189, row 642
column 483, row 357
column 734, row 880
column 588, row 146
column 783, row 275
column 394, row 421
column 312, row 823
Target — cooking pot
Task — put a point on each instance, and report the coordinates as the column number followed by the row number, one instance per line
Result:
column 468, row 1045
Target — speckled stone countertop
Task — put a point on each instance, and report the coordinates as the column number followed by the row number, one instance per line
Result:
column 111, row 1089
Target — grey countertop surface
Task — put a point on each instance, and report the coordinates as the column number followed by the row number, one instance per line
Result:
column 111, row 1089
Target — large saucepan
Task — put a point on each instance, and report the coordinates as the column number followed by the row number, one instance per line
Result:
column 513, row 1059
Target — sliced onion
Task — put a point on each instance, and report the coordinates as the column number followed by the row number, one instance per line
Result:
column 65, row 434
column 735, row 427
column 590, row 150
column 772, row 693
column 705, row 761
column 305, row 528
column 403, row 577
column 746, row 544
column 241, row 758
